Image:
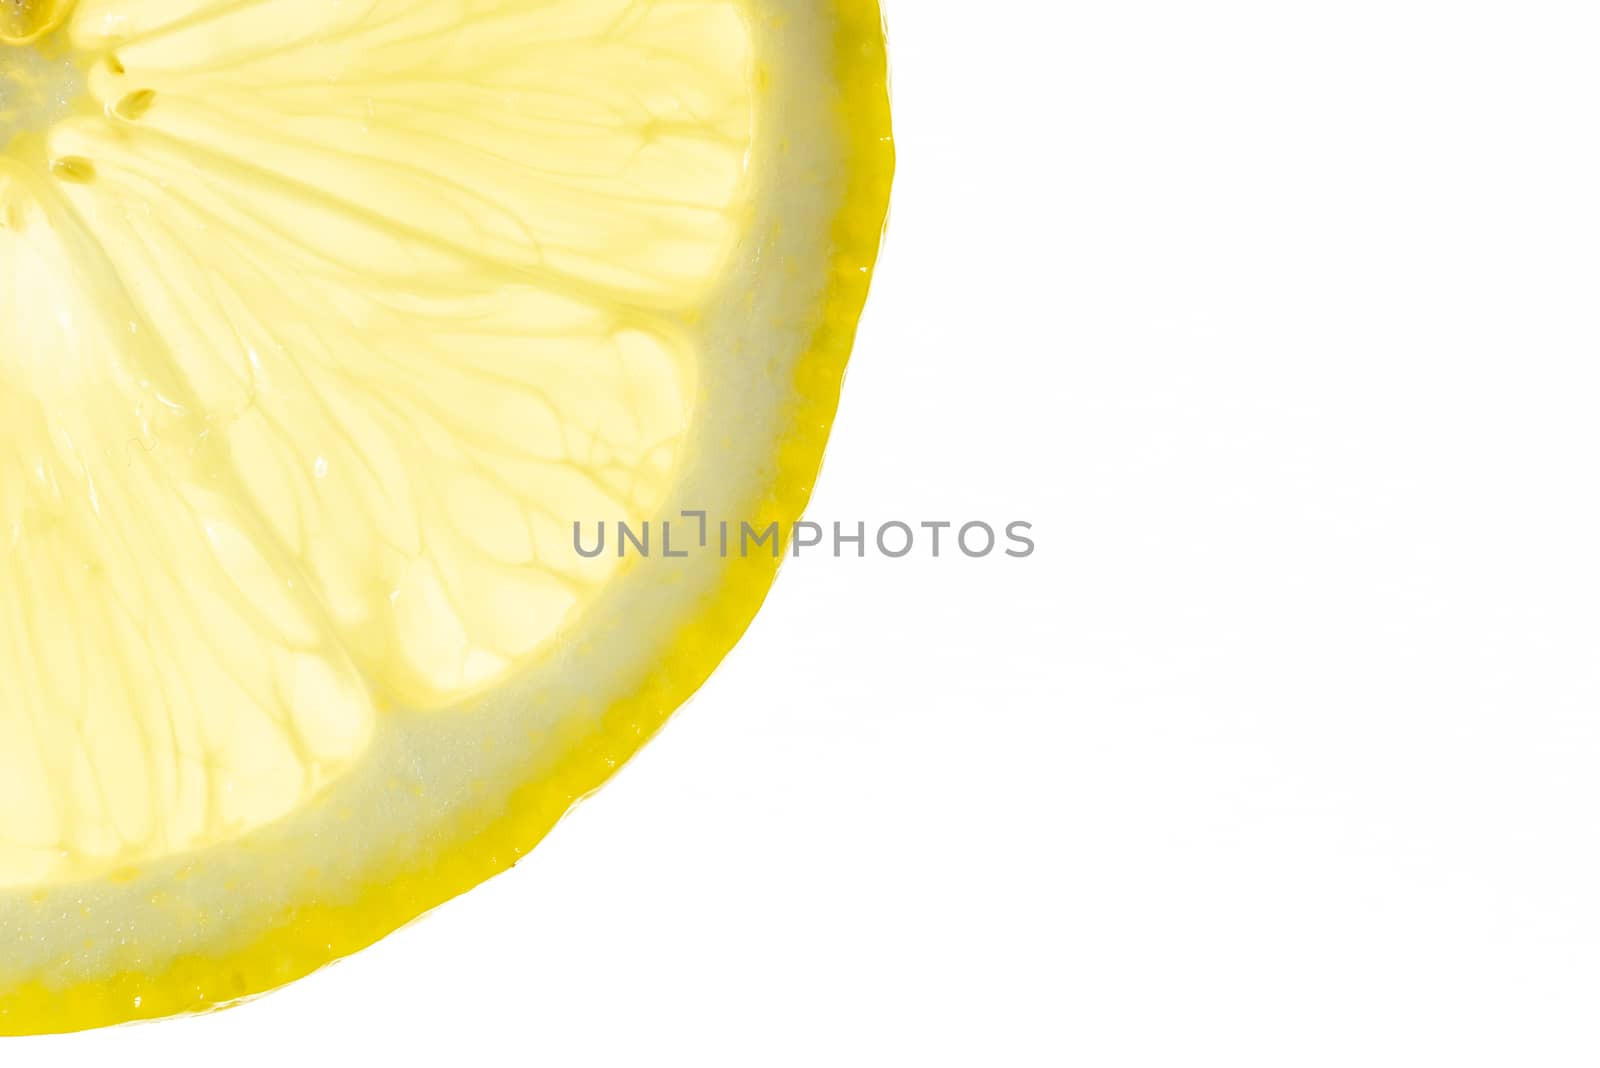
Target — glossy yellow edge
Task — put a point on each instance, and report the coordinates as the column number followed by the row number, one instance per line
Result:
column 306, row 939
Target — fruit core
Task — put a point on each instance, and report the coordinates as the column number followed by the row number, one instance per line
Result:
column 22, row 21
column 40, row 83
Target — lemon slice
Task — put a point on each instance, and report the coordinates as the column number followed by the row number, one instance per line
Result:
column 324, row 328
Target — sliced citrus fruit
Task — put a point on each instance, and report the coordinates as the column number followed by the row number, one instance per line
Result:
column 324, row 328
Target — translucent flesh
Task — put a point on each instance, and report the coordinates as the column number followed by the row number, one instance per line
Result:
column 323, row 324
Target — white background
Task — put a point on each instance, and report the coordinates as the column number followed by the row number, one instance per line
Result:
column 1280, row 321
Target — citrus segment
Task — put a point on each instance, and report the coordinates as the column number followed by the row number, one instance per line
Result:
column 380, row 316
column 166, row 683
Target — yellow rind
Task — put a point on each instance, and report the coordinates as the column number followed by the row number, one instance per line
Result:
column 301, row 940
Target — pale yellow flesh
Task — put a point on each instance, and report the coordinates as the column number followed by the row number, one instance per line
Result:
column 324, row 323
